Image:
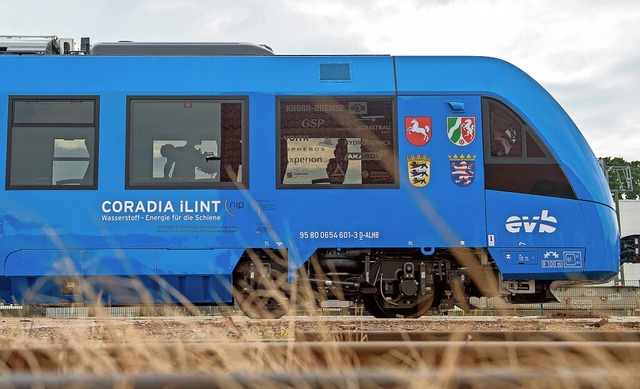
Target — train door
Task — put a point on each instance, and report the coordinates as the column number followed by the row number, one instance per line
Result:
column 441, row 159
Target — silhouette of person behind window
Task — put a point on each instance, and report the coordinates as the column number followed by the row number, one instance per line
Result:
column 182, row 161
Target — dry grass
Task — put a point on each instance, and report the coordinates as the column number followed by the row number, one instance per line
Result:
column 205, row 345
column 229, row 350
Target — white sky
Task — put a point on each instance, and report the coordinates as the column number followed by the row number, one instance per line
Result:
column 586, row 53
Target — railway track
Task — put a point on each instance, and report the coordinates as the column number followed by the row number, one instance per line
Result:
column 339, row 359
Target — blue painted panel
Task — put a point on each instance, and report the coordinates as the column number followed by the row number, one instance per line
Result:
column 201, row 262
column 494, row 77
column 121, row 276
column 197, row 75
column 603, row 237
column 451, row 205
column 30, row 263
column 519, row 220
column 563, row 239
column 525, row 233
column 118, row 262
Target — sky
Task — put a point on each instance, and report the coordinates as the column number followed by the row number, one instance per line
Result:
column 586, row 53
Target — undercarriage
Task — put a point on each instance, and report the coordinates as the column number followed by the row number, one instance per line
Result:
column 388, row 282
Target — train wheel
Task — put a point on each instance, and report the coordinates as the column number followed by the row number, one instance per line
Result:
column 371, row 305
column 260, row 291
column 380, row 307
column 400, row 297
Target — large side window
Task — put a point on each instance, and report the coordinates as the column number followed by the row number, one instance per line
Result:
column 52, row 143
column 336, row 142
column 194, row 142
column 515, row 158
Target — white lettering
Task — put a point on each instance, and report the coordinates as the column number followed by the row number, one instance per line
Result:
column 528, row 226
column 513, row 224
column 129, row 206
column 545, row 218
column 140, row 207
column 544, row 223
column 199, row 206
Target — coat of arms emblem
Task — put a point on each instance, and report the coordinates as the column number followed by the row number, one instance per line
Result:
column 419, row 167
column 461, row 130
column 462, row 169
column 418, row 129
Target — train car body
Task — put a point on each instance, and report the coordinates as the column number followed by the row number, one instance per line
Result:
column 399, row 182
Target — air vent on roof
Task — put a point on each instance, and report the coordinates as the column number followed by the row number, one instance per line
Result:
column 335, row 72
column 180, row 49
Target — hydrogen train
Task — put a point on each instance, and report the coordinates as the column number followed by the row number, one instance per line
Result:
column 222, row 173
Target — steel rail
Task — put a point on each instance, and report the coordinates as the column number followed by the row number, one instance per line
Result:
column 585, row 377
column 327, row 354
column 471, row 336
column 363, row 359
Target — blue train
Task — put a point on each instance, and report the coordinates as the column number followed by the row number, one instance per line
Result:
column 214, row 172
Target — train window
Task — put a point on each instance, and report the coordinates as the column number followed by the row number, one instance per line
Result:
column 52, row 143
column 516, row 160
column 336, row 142
column 185, row 142
column 505, row 133
column 54, row 111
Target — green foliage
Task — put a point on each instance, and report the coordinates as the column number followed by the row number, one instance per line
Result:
column 615, row 179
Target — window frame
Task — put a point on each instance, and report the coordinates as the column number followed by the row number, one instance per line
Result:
column 243, row 100
column 95, row 99
column 526, row 129
column 522, row 160
column 324, row 186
